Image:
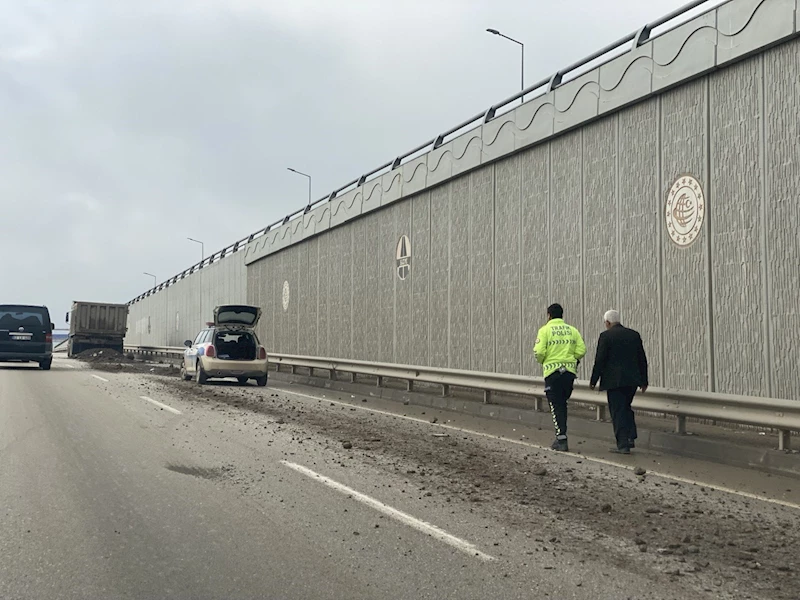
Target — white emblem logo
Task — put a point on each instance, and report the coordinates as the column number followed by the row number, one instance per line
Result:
column 403, row 256
column 285, row 297
column 685, row 211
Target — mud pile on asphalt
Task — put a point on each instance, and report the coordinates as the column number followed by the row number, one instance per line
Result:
column 102, row 355
column 109, row 360
column 707, row 540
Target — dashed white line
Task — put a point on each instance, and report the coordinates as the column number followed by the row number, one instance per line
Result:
column 100, row 378
column 405, row 518
column 160, row 405
column 601, row 461
column 70, row 366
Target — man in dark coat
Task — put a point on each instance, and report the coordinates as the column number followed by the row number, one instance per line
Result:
column 620, row 366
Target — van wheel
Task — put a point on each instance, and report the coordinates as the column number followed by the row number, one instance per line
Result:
column 242, row 380
column 200, row 375
column 45, row 366
column 261, row 381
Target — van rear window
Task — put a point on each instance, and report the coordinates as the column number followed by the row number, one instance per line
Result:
column 15, row 317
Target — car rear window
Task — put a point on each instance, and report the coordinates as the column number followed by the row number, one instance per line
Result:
column 12, row 317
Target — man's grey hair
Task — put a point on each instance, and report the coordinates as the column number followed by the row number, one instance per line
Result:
column 611, row 316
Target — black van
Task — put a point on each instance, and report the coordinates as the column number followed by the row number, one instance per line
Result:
column 26, row 334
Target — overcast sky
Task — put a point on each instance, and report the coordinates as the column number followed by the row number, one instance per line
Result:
column 128, row 125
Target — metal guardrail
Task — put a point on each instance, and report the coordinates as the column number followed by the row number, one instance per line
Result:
column 546, row 86
column 782, row 415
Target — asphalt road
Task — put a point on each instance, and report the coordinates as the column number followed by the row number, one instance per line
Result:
column 127, row 485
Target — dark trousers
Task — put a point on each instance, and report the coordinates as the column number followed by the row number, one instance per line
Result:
column 558, row 388
column 619, row 405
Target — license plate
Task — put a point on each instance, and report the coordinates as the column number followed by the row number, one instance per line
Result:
column 20, row 338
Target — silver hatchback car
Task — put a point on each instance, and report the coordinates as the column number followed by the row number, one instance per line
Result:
column 228, row 347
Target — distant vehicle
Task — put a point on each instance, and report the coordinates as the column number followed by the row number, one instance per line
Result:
column 26, row 334
column 96, row 325
column 228, row 347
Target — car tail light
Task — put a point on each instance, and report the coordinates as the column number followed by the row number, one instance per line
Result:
column 48, row 338
column 211, row 352
column 262, row 353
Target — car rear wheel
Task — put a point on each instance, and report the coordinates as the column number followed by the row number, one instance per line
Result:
column 261, row 381
column 45, row 365
column 184, row 375
column 200, row 375
column 242, row 380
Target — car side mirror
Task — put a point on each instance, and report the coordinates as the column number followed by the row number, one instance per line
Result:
column 52, row 325
column 67, row 318
column 188, row 343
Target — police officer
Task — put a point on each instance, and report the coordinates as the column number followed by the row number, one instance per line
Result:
column 559, row 348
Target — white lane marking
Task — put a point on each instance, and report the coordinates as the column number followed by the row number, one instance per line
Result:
column 160, row 405
column 100, row 378
column 70, row 366
column 404, row 518
column 601, row 461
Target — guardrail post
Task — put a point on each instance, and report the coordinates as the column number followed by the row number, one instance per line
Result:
column 680, row 424
column 410, row 385
column 294, row 369
column 445, row 390
column 784, row 440
column 601, row 413
column 487, row 396
column 380, row 381
column 332, row 374
column 537, row 404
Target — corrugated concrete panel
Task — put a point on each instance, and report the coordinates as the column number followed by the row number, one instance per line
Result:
column 403, row 299
column 736, row 225
column 385, row 251
column 420, row 278
column 507, row 266
column 440, row 272
column 459, row 271
column 360, row 306
column 684, row 145
column 640, row 204
column 782, row 209
column 564, row 236
column 480, row 252
column 536, row 280
column 372, row 330
column 599, row 231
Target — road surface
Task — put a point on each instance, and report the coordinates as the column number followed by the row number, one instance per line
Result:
column 137, row 485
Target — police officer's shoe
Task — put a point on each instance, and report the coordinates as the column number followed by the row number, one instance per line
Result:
column 620, row 450
column 560, row 445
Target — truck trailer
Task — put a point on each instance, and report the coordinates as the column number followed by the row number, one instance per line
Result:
column 96, row 325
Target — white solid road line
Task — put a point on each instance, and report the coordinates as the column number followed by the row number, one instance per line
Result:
column 160, row 405
column 100, row 378
column 601, row 461
column 70, row 366
column 404, row 518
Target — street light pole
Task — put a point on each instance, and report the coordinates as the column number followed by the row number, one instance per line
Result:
column 522, row 66
column 309, row 181
column 155, row 280
column 202, row 248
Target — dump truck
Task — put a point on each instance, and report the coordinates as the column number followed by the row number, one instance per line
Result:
column 95, row 325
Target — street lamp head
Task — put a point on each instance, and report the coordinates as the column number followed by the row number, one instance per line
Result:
column 493, row 31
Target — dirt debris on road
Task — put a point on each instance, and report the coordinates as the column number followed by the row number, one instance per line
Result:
column 706, row 540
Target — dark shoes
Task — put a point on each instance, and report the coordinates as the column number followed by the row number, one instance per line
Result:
column 620, row 450
column 560, row 445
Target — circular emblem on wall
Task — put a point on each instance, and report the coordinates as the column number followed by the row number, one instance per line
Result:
column 285, row 296
column 685, row 211
column 403, row 256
